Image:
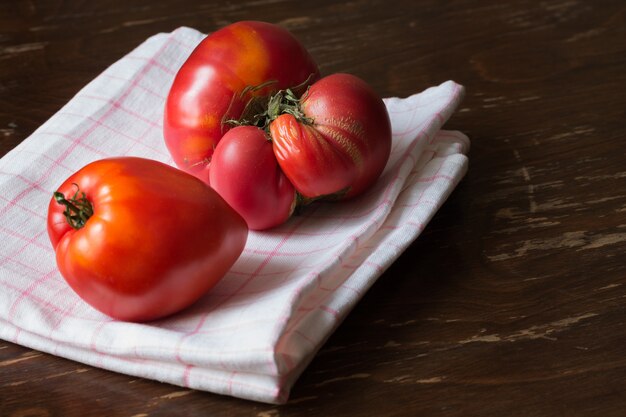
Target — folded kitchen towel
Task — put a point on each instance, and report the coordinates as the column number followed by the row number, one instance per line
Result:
column 254, row 333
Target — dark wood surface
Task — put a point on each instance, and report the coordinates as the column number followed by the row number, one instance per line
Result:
column 513, row 300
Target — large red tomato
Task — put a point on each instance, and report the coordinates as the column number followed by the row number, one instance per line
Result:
column 337, row 141
column 226, row 72
column 139, row 240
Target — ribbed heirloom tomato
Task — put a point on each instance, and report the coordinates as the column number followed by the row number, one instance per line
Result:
column 248, row 114
column 140, row 240
column 337, row 140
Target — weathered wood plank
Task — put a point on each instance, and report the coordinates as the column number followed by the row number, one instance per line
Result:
column 512, row 302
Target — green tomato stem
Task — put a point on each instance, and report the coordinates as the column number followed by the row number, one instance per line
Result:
column 77, row 208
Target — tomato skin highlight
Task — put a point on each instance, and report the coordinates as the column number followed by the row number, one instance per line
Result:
column 244, row 171
column 346, row 146
column 215, row 82
column 157, row 241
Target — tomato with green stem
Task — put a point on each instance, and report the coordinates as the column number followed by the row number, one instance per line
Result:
column 140, row 240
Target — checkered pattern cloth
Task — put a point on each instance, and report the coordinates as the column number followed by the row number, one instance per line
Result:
column 253, row 334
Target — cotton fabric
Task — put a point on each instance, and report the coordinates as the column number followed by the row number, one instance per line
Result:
column 253, row 334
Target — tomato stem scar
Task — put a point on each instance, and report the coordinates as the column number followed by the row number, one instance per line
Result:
column 77, row 208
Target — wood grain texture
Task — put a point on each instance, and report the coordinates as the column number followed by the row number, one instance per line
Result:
column 512, row 301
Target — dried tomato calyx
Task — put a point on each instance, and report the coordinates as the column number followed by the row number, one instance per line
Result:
column 286, row 102
column 77, row 208
column 261, row 110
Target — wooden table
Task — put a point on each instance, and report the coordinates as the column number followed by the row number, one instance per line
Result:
column 513, row 300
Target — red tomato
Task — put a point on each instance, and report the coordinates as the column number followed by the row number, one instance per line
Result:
column 244, row 171
column 341, row 142
column 227, row 70
column 141, row 240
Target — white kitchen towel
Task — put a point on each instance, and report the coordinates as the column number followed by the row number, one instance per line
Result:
column 254, row 333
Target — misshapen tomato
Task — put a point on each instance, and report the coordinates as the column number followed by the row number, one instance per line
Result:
column 144, row 240
column 222, row 75
column 341, row 141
